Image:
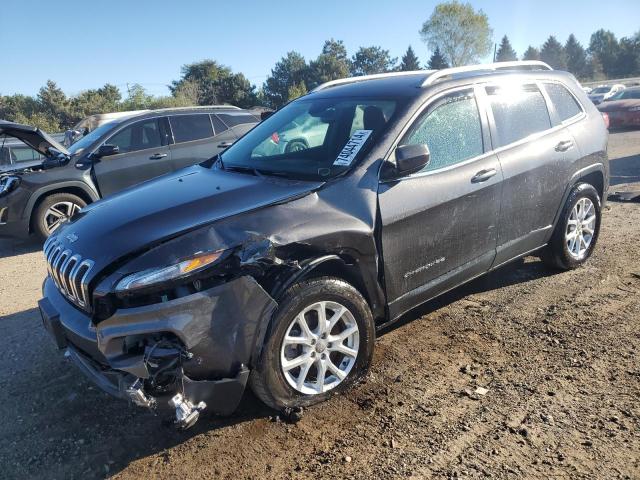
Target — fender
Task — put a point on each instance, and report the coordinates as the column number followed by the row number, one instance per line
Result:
column 38, row 194
column 596, row 167
column 307, row 267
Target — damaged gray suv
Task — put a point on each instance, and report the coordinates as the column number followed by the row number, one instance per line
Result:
column 274, row 267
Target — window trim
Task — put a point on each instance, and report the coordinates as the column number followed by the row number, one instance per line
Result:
column 128, row 121
column 173, row 137
column 484, row 127
column 483, row 104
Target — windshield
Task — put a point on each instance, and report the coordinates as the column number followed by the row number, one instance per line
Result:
column 91, row 137
column 312, row 138
column 601, row 90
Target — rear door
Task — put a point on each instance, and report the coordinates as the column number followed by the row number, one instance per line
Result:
column 439, row 225
column 195, row 139
column 535, row 157
column 144, row 154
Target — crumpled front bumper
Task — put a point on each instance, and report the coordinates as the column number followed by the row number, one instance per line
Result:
column 221, row 329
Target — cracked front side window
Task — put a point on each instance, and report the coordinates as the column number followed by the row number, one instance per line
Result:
column 451, row 129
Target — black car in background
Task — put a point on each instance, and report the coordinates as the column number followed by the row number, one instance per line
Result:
column 274, row 267
column 38, row 196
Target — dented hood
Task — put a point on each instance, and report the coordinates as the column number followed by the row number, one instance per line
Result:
column 163, row 208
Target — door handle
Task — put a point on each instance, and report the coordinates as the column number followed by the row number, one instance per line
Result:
column 483, row 175
column 225, row 144
column 564, row 145
column 157, row 156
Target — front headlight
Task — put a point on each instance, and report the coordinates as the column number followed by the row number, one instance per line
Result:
column 8, row 184
column 153, row 276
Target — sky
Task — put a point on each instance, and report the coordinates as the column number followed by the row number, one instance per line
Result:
column 85, row 44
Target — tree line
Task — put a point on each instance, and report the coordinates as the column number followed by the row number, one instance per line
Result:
column 455, row 33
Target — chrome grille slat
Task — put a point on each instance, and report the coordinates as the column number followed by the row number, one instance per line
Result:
column 69, row 272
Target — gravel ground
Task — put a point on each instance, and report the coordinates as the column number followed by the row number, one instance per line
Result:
column 556, row 353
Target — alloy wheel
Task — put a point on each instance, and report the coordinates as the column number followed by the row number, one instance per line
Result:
column 319, row 348
column 580, row 228
column 58, row 213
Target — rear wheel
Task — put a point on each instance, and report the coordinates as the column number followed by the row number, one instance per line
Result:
column 320, row 343
column 577, row 231
column 53, row 211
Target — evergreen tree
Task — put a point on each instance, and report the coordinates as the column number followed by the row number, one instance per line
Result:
column 437, row 61
column 576, row 57
column 531, row 53
column 289, row 71
column 552, row 52
column 605, row 46
column 371, row 60
column 409, row 61
column 628, row 61
column 506, row 53
column 331, row 64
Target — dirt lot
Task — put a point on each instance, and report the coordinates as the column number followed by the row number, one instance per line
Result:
column 558, row 354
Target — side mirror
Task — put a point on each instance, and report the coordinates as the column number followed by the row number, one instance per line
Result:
column 107, row 150
column 411, row 158
column 265, row 115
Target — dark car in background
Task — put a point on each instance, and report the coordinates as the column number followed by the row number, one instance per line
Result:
column 623, row 109
column 36, row 198
column 275, row 267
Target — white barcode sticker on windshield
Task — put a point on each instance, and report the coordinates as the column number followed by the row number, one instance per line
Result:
column 351, row 149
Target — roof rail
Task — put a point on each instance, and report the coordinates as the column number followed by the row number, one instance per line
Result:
column 519, row 65
column 362, row 78
column 200, row 107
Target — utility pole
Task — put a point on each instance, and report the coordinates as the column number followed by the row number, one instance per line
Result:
column 495, row 45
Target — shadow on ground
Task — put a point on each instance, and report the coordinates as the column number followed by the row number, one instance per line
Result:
column 10, row 246
column 517, row 272
column 625, row 170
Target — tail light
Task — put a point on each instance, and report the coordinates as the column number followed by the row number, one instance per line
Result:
column 605, row 117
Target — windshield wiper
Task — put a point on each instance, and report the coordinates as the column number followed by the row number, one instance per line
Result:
column 258, row 172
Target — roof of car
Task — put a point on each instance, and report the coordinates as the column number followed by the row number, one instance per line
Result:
column 414, row 84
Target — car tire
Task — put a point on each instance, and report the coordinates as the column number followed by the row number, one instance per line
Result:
column 576, row 233
column 296, row 145
column 275, row 383
column 62, row 205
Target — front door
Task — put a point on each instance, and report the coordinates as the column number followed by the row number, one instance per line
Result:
column 143, row 154
column 439, row 225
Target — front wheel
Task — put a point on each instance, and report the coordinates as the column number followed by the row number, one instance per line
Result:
column 576, row 233
column 320, row 343
column 53, row 211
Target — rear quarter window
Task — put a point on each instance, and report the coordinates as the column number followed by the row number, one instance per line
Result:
column 565, row 104
column 518, row 111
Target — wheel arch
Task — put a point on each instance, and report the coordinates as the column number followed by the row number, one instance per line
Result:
column 593, row 175
column 340, row 266
column 74, row 188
